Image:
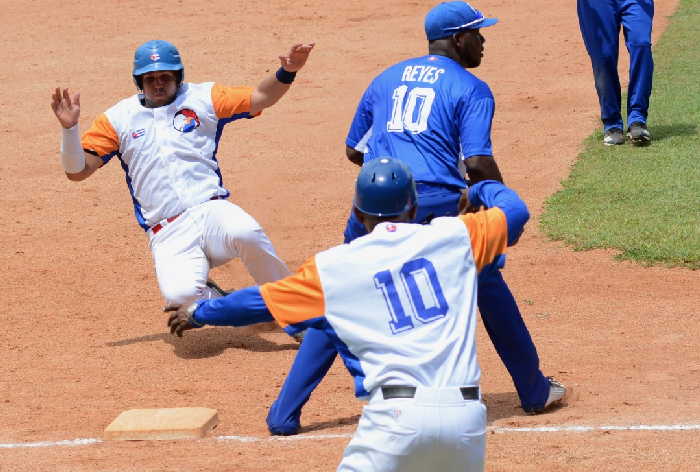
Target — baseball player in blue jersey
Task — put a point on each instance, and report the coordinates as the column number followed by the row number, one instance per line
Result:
column 600, row 22
column 399, row 305
column 434, row 115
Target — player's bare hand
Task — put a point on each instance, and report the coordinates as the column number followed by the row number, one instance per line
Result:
column 65, row 107
column 465, row 206
column 181, row 320
column 297, row 56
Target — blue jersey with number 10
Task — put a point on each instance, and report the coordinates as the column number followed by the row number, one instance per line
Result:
column 428, row 112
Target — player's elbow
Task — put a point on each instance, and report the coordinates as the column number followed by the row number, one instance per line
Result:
column 79, row 177
column 517, row 216
column 354, row 156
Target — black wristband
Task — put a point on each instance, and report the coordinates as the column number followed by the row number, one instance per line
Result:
column 284, row 76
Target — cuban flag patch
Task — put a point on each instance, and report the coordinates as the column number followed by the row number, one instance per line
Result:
column 138, row 133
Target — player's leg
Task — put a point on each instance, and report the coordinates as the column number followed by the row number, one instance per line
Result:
column 413, row 435
column 510, row 337
column 384, row 440
column 599, row 21
column 462, row 437
column 181, row 265
column 229, row 232
column 637, row 17
column 316, row 355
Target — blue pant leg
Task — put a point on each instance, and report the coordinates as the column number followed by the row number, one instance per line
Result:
column 500, row 314
column 600, row 22
column 637, row 17
column 510, row 337
column 313, row 360
column 315, row 356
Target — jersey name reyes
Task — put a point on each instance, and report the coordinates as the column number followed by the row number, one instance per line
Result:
column 427, row 74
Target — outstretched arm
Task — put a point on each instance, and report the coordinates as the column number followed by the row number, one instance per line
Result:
column 240, row 308
column 272, row 88
column 77, row 164
column 296, row 300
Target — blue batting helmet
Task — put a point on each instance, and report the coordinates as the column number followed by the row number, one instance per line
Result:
column 385, row 187
column 156, row 55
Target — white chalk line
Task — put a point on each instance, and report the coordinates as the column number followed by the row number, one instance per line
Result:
column 311, row 437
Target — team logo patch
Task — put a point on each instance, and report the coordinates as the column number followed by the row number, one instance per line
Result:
column 185, row 120
column 138, row 133
column 391, row 227
column 155, row 56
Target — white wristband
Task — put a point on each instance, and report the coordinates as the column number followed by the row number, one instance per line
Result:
column 72, row 154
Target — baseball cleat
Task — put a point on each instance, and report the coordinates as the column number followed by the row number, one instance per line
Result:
column 218, row 291
column 639, row 134
column 613, row 136
column 557, row 393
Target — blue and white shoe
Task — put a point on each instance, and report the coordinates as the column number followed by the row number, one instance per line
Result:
column 557, row 394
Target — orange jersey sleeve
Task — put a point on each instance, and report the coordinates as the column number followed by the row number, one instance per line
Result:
column 488, row 232
column 101, row 138
column 296, row 298
column 230, row 101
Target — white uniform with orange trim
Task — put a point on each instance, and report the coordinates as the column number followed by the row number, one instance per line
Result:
column 169, row 157
column 400, row 304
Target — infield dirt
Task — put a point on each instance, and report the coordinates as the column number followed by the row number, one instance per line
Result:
column 84, row 336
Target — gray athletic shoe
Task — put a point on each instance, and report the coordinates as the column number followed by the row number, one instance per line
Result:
column 639, row 134
column 557, row 393
column 613, row 137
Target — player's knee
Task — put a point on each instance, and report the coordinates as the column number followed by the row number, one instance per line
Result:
column 604, row 59
column 638, row 45
column 179, row 292
column 249, row 236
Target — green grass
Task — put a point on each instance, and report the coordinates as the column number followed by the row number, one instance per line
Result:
column 644, row 202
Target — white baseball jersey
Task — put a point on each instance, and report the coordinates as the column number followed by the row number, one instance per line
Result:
column 169, row 153
column 401, row 300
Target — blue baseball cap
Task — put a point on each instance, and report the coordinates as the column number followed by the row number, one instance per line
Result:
column 449, row 18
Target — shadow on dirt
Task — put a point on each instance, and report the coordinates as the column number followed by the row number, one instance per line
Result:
column 500, row 405
column 321, row 425
column 506, row 405
column 210, row 342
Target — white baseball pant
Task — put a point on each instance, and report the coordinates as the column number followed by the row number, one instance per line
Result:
column 437, row 430
column 206, row 236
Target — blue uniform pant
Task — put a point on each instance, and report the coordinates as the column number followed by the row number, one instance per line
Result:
column 499, row 313
column 600, row 22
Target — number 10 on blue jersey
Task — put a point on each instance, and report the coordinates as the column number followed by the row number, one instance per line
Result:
column 405, row 116
column 420, row 284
